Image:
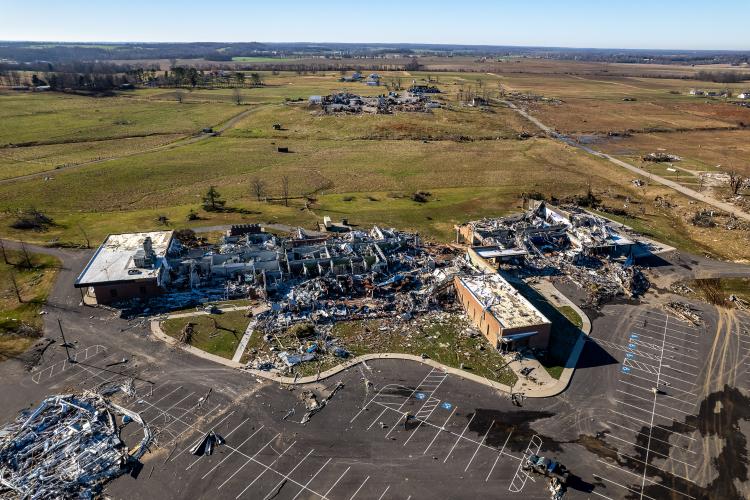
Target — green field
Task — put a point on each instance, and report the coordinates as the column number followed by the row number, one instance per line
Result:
column 218, row 334
column 118, row 163
column 20, row 322
column 51, row 118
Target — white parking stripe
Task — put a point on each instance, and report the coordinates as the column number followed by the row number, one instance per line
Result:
column 360, row 487
column 386, row 491
column 337, row 482
column 659, row 404
column 264, row 470
column 459, row 437
column 479, row 445
column 311, row 479
column 666, row 457
column 440, row 429
column 232, row 453
column 498, row 457
column 620, row 485
column 244, row 464
column 647, row 479
column 289, row 474
column 201, row 438
column 660, row 440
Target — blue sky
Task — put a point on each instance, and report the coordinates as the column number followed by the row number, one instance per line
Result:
column 668, row 24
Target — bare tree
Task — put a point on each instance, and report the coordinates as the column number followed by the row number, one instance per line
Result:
column 179, row 95
column 237, row 95
column 736, row 181
column 258, row 187
column 85, row 236
column 285, row 189
column 5, row 255
column 16, row 288
column 26, row 256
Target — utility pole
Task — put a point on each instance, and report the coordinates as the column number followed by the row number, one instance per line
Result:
column 65, row 342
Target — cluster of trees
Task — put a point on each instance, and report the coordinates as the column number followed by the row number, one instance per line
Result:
column 212, row 201
column 721, row 76
column 184, row 76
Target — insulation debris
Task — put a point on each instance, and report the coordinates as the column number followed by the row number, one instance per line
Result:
column 684, row 312
column 68, row 446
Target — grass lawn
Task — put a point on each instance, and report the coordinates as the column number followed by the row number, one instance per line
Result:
column 444, row 339
column 20, row 323
column 571, row 315
column 565, row 329
column 218, row 334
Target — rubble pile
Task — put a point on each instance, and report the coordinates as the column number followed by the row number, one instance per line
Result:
column 569, row 241
column 69, row 446
column 659, row 157
column 347, row 103
column 684, row 312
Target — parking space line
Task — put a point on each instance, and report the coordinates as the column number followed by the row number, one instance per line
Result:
column 656, row 439
column 652, row 451
column 466, row 438
column 200, row 439
column 662, row 375
column 384, row 492
column 312, row 478
column 600, row 495
column 671, row 336
column 244, row 464
column 232, row 453
column 662, row 395
column 360, row 487
column 660, row 404
column 498, row 457
column 194, row 443
column 264, row 470
column 671, row 387
column 252, row 459
column 440, row 429
column 479, row 445
column 271, row 493
column 337, row 482
column 621, row 486
column 459, row 437
column 371, row 400
column 654, row 413
column 647, row 479
column 378, row 417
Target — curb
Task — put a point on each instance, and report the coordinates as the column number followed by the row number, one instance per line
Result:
column 159, row 334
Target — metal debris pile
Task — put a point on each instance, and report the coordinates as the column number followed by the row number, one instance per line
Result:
column 69, row 446
column 684, row 312
column 590, row 250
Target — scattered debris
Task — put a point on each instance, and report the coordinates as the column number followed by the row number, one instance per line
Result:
column 206, row 445
column 660, row 157
column 684, row 312
column 67, row 447
column 313, row 406
column 345, row 102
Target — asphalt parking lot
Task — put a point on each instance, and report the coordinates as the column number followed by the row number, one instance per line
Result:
column 618, row 436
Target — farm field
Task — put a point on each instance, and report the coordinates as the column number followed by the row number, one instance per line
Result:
column 133, row 164
column 46, row 118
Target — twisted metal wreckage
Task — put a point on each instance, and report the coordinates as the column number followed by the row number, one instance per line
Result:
column 552, row 241
column 67, row 447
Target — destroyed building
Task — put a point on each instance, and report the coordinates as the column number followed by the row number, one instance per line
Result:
column 592, row 251
column 345, row 102
column 127, row 266
column 501, row 313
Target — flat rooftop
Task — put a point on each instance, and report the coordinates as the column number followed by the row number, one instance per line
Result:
column 503, row 301
column 113, row 260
